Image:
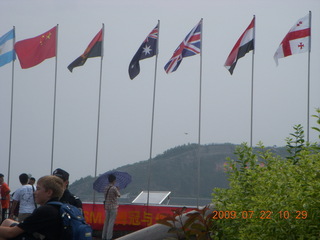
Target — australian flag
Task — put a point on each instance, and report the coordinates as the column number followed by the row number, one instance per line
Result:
column 147, row 49
column 190, row 46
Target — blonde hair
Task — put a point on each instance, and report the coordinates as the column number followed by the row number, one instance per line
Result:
column 53, row 183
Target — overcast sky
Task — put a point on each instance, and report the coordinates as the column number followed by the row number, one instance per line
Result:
column 280, row 93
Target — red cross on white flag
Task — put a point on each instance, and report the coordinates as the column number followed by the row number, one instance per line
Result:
column 296, row 41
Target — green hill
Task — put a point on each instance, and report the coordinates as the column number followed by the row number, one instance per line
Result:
column 175, row 170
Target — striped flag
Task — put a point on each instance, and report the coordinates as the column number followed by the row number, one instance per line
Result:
column 7, row 53
column 244, row 45
column 296, row 41
column 190, row 46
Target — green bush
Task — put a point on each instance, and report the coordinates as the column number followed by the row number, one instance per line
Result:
column 271, row 197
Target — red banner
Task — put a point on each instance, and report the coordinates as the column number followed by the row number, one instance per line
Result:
column 130, row 217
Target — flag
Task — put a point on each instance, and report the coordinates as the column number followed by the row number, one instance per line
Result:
column 147, row 49
column 296, row 41
column 94, row 49
column 190, row 46
column 7, row 53
column 244, row 45
column 35, row 50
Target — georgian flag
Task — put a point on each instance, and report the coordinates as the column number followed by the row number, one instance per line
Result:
column 244, row 45
column 296, row 41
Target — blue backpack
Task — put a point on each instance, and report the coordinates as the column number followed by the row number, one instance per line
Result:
column 74, row 224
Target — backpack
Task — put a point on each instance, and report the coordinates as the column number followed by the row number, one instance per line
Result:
column 74, row 224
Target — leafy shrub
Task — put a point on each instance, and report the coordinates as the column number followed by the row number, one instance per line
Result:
column 279, row 199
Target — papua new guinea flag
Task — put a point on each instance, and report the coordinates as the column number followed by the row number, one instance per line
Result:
column 94, row 49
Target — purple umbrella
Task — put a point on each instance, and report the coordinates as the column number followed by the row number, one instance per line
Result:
column 122, row 180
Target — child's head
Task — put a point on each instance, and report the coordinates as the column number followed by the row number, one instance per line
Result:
column 48, row 187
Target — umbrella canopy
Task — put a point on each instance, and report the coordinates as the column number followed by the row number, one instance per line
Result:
column 122, row 180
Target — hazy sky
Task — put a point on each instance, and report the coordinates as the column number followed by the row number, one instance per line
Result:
column 280, row 93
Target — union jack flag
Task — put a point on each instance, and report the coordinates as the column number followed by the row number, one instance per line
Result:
column 190, row 46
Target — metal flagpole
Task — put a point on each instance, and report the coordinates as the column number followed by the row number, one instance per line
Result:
column 152, row 118
column 99, row 110
column 54, row 101
column 252, row 77
column 11, row 114
column 199, row 129
column 308, row 101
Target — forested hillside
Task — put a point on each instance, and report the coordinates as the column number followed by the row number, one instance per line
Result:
column 175, row 170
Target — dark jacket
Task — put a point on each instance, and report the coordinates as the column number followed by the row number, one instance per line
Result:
column 68, row 197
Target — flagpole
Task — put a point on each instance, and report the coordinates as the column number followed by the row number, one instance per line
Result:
column 152, row 115
column 308, row 100
column 54, row 101
column 99, row 110
column 252, row 77
column 11, row 114
column 199, row 123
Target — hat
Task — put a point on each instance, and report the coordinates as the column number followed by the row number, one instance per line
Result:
column 61, row 174
column 1, row 175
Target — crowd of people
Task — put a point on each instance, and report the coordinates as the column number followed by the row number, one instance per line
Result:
column 26, row 214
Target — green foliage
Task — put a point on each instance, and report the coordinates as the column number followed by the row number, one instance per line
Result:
column 278, row 199
column 295, row 145
column 318, row 121
column 197, row 225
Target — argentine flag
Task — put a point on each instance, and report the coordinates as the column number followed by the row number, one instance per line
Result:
column 7, row 53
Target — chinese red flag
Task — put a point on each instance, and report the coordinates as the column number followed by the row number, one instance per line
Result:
column 35, row 50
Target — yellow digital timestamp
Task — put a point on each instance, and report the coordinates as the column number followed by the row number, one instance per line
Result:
column 259, row 214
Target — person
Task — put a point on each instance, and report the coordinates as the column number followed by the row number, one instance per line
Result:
column 111, row 207
column 5, row 196
column 32, row 181
column 23, row 195
column 67, row 196
column 45, row 222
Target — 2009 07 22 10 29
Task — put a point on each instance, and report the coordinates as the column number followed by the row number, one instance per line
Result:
column 264, row 214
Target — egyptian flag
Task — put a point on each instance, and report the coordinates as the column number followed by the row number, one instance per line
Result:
column 244, row 45
column 93, row 50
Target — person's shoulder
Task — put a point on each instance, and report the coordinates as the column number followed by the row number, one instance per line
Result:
column 19, row 189
column 114, row 188
column 48, row 207
column 72, row 195
column 28, row 189
column 70, row 198
column 76, row 201
column 45, row 211
column 25, row 187
column 5, row 187
column 17, row 192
